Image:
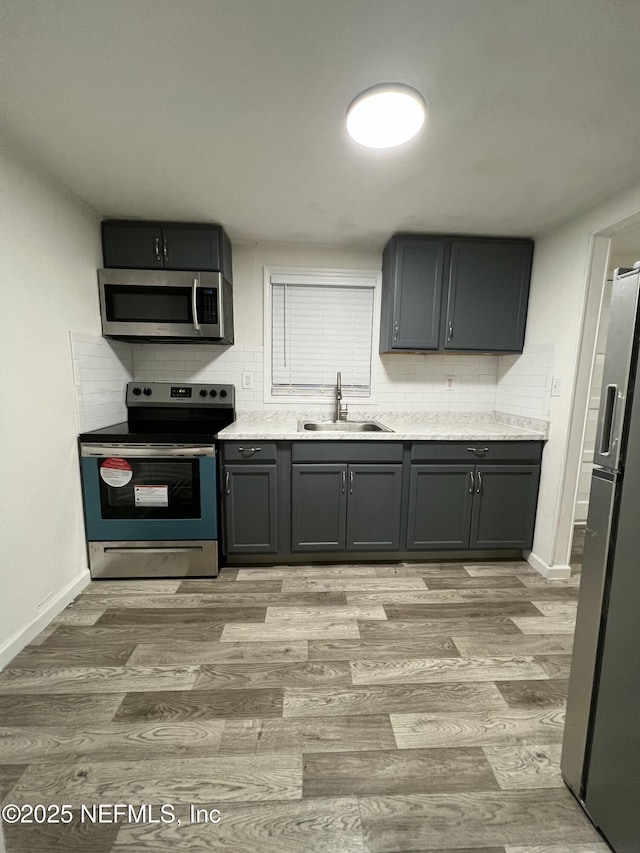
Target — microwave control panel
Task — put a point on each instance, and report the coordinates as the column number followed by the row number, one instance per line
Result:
column 209, row 305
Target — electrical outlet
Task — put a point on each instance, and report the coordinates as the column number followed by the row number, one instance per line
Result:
column 449, row 383
column 247, row 381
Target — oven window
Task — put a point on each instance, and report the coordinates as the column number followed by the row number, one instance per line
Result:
column 159, row 488
column 133, row 304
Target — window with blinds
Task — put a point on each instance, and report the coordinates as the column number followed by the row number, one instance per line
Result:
column 321, row 324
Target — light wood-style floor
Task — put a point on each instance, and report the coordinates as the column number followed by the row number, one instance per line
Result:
column 333, row 709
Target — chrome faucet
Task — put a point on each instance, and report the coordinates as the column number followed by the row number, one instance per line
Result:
column 341, row 411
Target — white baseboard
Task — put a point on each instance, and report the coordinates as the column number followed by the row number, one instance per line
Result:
column 552, row 573
column 17, row 642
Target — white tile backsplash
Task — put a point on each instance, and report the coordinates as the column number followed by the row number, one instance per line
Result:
column 101, row 370
column 405, row 382
column 524, row 382
column 516, row 385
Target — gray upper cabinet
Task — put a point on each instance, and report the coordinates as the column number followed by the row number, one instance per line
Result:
column 411, row 295
column 454, row 294
column 133, row 244
column 487, row 295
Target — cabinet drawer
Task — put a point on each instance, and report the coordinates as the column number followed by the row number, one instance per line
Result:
column 474, row 451
column 250, row 451
column 346, row 451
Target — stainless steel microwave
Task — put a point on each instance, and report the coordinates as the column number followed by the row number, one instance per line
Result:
column 162, row 305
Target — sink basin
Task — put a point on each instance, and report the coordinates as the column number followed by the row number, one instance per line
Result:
column 342, row 426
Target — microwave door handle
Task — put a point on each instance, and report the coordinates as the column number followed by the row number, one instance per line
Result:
column 194, row 304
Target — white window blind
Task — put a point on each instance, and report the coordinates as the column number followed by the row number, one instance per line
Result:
column 317, row 329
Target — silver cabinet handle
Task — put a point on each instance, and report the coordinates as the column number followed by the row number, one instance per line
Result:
column 351, row 480
column 471, row 483
column 158, row 258
column 450, row 330
column 480, row 450
column 194, row 304
column 344, row 481
column 395, row 330
column 249, row 449
column 479, row 484
column 227, row 487
column 165, row 249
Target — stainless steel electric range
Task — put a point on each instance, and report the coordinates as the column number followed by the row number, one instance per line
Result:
column 150, row 485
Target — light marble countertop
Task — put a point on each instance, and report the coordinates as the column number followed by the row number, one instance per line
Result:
column 405, row 426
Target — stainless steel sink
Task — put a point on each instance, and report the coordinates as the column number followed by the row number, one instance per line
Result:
column 342, row 426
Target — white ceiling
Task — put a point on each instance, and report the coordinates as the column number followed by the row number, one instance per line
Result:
column 233, row 110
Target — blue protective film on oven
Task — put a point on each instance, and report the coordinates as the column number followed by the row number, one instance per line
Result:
column 150, row 529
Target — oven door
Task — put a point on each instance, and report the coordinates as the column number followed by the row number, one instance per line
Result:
column 161, row 304
column 149, row 492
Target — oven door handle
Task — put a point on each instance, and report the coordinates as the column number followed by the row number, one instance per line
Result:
column 103, row 451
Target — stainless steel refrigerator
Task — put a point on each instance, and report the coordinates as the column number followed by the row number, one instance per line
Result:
column 601, row 749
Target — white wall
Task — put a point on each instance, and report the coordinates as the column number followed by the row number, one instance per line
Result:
column 569, row 270
column 49, row 252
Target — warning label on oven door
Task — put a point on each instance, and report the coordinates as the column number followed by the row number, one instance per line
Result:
column 116, row 472
column 151, row 495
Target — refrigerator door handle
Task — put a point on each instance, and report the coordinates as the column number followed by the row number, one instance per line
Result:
column 607, row 423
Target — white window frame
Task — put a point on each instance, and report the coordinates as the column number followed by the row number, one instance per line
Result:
column 323, row 277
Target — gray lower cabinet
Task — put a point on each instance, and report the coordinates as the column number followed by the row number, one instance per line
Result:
column 318, row 507
column 250, row 509
column 504, row 507
column 440, row 501
column 472, row 507
column 354, row 497
column 345, row 507
column 373, row 507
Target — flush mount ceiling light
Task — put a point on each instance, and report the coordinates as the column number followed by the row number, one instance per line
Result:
column 386, row 115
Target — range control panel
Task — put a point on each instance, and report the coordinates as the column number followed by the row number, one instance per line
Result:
column 179, row 394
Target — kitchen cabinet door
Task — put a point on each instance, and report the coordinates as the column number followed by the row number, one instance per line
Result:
column 250, row 509
column 132, row 245
column 374, row 507
column 440, row 502
column 488, row 292
column 504, row 506
column 318, row 507
column 189, row 247
column 412, row 276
